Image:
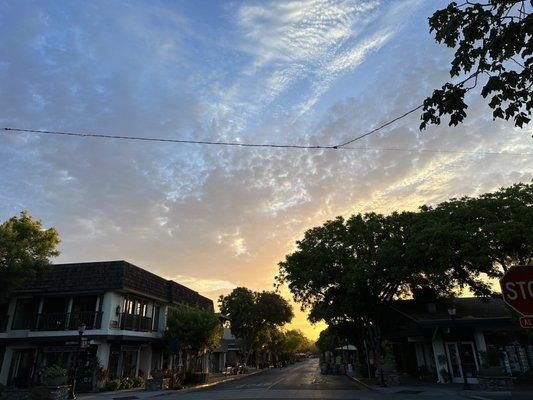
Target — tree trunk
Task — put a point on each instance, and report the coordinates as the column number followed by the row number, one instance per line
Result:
column 375, row 341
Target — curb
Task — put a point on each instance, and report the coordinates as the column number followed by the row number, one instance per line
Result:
column 209, row 384
column 361, row 383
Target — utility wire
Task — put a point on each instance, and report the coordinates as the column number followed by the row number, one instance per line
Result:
column 380, row 127
column 271, row 145
column 149, row 139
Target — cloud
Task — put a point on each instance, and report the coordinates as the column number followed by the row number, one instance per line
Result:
column 214, row 218
column 204, row 285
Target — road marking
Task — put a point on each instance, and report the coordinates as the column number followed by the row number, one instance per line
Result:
column 276, row 382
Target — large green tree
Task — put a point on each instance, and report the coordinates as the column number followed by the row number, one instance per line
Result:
column 26, row 249
column 490, row 232
column 195, row 330
column 286, row 345
column 328, row 340
column 493, row 43
column 346, row 272
column 253, row 315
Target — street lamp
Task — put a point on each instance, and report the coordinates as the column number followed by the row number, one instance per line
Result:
column 452, row 312
column 81, row 331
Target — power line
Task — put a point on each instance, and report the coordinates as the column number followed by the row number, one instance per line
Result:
column 270, row 145
column 381, row 126
column 438, row 151
column 149, row 139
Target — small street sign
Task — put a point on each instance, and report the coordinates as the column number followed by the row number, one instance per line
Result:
column 526, row 322
column 517, row 290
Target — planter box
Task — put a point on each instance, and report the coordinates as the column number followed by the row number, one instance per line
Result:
column 157, row 384
column 496, row 383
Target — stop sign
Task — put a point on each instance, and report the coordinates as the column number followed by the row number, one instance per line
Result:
column 517, row 288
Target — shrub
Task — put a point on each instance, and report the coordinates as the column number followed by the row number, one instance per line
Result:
column 126, row 383
column 139, row 382
column 491, row 357
column 53, row 371
column 113, row 384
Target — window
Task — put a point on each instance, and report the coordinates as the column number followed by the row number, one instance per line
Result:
column 25, row 313
column 157, row 310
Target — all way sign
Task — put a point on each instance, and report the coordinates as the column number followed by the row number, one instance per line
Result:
column 517, row 291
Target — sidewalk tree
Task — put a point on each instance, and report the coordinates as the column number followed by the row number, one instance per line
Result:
column 26, row 249
column 253, row 314
column 346, row 272
column 499, row 224
column 328, row 340
column 195, row 330
column 492, row 39
column 286, row 345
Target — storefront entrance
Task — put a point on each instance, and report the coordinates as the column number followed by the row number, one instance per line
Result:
column 467, row 365
column 21, row 369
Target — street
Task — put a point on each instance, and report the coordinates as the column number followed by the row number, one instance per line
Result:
column 302, row 381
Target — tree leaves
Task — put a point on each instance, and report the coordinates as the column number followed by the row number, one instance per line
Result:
column 492, row 39
column 193, row 328
column 252, row 313
column 350, row 270
column 25, row 251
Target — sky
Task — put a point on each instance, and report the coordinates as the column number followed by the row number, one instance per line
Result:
column 298, row 72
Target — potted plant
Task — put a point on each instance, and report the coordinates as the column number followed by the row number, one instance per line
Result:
column 491, row 362
column 54, row 375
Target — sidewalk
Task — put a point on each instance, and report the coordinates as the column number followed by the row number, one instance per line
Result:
column 141, row 394
column 439, row 390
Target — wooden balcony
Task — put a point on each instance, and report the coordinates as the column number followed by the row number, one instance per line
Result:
column 68, row 321
column 137, row 323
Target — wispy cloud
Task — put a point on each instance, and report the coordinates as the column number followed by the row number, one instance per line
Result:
column 203, row 285
column 214, row 218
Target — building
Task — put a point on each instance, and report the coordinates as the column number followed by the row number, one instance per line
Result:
column 122, row 307
column 440, row 342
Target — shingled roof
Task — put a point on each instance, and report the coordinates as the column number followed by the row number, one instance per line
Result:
column 120, row 275
column 469, row 310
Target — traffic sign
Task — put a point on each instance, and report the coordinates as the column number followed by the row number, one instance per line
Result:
column 517, row 289
column 526, row 322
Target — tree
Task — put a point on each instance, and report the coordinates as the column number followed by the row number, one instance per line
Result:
column 26, row 249
column 347, row 272
column 286, row 345
column 253, row 314
column 491, row 38
column 194, row 329
column 490, row 232
column 328, row 340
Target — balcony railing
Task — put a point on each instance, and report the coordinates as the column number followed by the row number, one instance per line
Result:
column 68, row 321
column 133, row 322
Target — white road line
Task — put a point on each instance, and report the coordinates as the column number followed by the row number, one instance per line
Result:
column 276, row 382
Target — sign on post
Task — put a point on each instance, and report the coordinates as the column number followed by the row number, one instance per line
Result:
column 517, row 291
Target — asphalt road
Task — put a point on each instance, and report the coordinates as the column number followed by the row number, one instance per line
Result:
column 300, row 381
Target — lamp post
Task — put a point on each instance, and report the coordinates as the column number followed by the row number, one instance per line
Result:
column 452, row 311
column 72, row 394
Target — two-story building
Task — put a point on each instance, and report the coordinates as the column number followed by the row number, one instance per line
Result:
column 121, row 307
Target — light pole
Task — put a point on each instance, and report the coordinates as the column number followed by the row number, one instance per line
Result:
column 452, row 311
column 72, row 394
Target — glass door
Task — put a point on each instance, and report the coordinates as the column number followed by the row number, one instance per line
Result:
column 468, row 366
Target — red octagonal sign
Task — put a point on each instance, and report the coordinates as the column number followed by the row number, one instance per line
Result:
column 517, row 288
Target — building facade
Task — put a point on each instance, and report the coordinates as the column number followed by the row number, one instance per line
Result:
column 122, row 307
column 431, row 342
